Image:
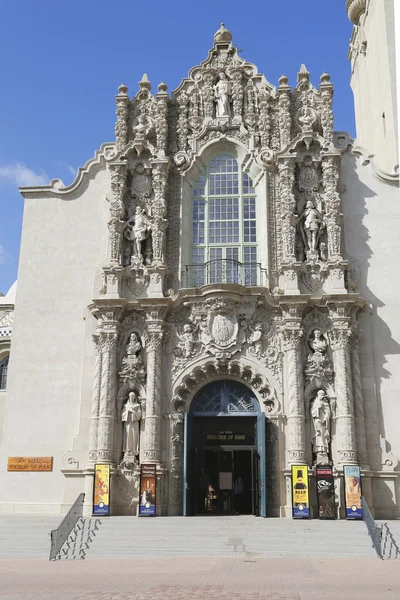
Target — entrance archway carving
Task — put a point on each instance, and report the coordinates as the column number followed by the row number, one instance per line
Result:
column 191, row 382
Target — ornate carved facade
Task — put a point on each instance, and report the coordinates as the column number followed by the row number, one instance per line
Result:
column 291, row 334
column 218, row 256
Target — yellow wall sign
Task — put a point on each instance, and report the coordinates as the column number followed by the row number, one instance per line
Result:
column 301, row 503
column 30, row 463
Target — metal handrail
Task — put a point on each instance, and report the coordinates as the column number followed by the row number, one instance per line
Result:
column 225, row 270
column 60, row 535
column 374, row 530
column 390, row 549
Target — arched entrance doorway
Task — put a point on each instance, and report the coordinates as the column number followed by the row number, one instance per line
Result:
column 224, row 452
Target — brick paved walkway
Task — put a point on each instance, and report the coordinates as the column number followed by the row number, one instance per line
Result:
column 201, row 579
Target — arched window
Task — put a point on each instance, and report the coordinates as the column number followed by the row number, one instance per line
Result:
column 224, row 233
column 3, row 373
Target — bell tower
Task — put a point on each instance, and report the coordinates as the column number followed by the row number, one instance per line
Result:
column 372, row 56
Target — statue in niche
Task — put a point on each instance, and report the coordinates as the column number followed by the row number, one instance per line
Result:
column 317, row 342
column 306, row 117
column 140, row 129
column 318, row 358
column 131, row 416
column 132, row 362
column 321, row 416
column 139, row 226
column 223, row 91
column 187, row 338
column 256, row 337
column 311, row 225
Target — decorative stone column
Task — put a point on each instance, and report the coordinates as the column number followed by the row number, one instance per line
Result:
column 154, row 349
column 284, row 112
column 287, row 204
column 94, row 418
column 121, row 126
column 108, row 389
column 330, row 177
column 359, row 420
column 296, row 451
column 326, row 91
column 113, row 270
column 176, row 470
column 345, row 428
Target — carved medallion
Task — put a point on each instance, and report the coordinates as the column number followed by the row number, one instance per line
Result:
column 223, row 329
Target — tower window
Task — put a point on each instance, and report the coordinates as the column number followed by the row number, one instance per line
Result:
column 3, row 373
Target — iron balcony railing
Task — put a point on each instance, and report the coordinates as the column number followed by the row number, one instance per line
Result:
column 60, row 535
column 225, row 270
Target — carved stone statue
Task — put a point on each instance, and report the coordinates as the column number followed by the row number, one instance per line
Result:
column 140, row 129
column 321, row 416
column 187, row 339
column 306, row 117
column 255, row 339
column 223, row 91
column 317, row 342
column 131, row 416
column 132, row 363
column 311, row 225
column 139, row 225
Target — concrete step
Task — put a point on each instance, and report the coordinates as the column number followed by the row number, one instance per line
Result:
column 129, row 537
column 26, row 536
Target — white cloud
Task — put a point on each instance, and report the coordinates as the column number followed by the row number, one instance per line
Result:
column 69, row 168
column 4, row 256
column 20, row 174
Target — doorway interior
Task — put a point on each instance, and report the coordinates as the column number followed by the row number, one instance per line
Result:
column 224, row 458
column 226, row 482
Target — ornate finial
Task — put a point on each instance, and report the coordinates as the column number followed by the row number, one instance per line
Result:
column 355, row 8
column 144, row 84
column 303, row 74
column 122, row 89
column 283, row 80
column 222, row 35
column 325, row 78
column 162, row 87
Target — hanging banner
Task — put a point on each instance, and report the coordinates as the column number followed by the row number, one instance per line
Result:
column 147, row 505
column 325, row 492
column 352, row 490
column 101, row 491
column 300, row 498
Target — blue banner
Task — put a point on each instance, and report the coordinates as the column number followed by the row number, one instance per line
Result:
column 352, row 487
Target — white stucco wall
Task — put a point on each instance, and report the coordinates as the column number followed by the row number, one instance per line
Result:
column 64, row 239
column 373, row 82
column 371, row 210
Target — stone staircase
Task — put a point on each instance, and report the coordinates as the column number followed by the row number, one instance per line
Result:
column 27, row 536
column 247, row 537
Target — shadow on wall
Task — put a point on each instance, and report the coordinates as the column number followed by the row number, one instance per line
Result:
column 379, row 340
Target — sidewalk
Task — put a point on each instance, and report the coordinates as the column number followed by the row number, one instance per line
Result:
column 201, row 579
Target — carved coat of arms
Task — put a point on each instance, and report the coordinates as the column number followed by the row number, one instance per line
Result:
column 223, row 329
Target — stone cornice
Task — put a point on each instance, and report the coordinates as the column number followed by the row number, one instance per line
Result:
column 355, row 9
column 56, row 187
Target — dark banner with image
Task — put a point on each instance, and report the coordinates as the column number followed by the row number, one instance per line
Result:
column 352, row 491
column 147, row 499
column 300, row 497
column 325, row 492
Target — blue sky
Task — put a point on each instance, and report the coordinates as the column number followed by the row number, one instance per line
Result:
column 62, row 62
